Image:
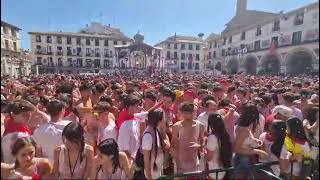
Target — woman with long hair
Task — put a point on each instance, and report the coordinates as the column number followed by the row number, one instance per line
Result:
column 298, row 147
column 311, row 126
column 26, row 164
column 73, row 159
column 110, row 163
column 273, row 144
column 219, row 148
column 153, row 145
column 246, row 145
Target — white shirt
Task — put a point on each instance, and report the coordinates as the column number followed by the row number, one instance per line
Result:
column 109, row 131
column 147, row 142
column 129, row 134
column 283, row 155
column 49, row 136
column 212, row 145
column 203, row 118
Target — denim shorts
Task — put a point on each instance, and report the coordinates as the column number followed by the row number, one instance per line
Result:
column 242, row 163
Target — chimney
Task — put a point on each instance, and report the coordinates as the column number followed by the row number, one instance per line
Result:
column 241, row 6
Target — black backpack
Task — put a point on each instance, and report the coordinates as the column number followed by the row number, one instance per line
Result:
column 139, row 162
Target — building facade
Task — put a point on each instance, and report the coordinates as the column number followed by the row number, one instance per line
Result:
column 263, row 42
column 14, row 61
column 183, row 53
column 91, row 50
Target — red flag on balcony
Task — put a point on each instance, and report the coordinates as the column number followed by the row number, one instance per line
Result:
column 273, row 47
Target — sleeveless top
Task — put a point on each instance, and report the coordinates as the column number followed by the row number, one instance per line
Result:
column 187, row 156
column 119, row 174
column 35, row 174
column 64, row 168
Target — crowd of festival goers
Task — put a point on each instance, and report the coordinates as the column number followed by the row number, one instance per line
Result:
column 147, row 126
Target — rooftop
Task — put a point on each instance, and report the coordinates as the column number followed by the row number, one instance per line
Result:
column 3, row 23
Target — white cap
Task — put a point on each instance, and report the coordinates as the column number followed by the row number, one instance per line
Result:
column 283, row 110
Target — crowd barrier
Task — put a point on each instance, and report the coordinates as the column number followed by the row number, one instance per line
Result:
column 259, row 167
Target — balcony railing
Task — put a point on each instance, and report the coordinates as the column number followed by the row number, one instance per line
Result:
column 59, row 53
column 49, row 53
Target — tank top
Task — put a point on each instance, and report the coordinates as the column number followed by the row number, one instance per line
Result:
column 188, row 157
column 119, row 174
column 64, row 168
column 35, row 174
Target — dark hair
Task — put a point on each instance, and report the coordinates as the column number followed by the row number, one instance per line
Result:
column 217, row 88
column 110, row 147
column 154, row 117
column 241, row 91
column 99, row 87
column 4, row 104
column 289, row 97
column 224, row 102
column 187, row 107
column 278, row 129
column 102, row 106
column 54, row 107
column 274, row 97
column 150, row 95
column 19, row 144
column 311, row 114
column 231, row 89
column 66, row 87
column 203, row 86
column 168, row 93
column 296, row 129
column 132, row 100
column 206, row 99
column 44, row 100
column 217, row 128
column 74, row 132
column 33, row 99
column 85, row 86
column 106, row 99
column 19, row 106
column 249, row 115
column 266, row 99
column 66, row 98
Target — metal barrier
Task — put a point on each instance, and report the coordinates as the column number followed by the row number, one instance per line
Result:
column 203, row 174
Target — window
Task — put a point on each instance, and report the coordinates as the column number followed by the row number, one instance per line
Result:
column 70, row 62
column 168, row 54
column 78, row 41
column 97, row 52
column 274, row 40
column 38, row 38
column 60, row 62
column 124, row 42
column 69, row 51
column 197, row 66
column 214, row 54
column 59, row 40
column 38, row 47
column 276, row 26
column 49, row 40
column 106, row 63
column 15, row 46
column 106, row 43
column 230, row 40
column 175, row 46
column 13, row 32
column 215, row 44
column 183, row 56
column 96, row 42
column 224, row 41
column 182, row 65
column 97, row 63
column 189, row 65
column 79, row 51
column 169, row 46
column 296, row 38
column 175, row 55
column 243, row 36
column 79, row 62
column 210, row 55
column 198, row 47
column 7, row 44
column 258, row 33
column 88, row 42
column 88, row 51
column 210, row 45
column 68, row 40
column 106, row 54
column 257, row 45
column 115, row 42
column 5, row 31
column 39, row 60
column 197, row 56
column 190, row 47
column 298, row 20
column 223, row 52
column 49, row 50
column 183, row 47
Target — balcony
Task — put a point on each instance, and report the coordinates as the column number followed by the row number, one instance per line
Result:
column 79, row 53
column 59, row 53
column 88, row 54
column 97, row 54
column 49, row 53
column 39, row 52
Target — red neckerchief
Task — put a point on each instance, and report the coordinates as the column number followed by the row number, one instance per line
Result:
column 12, row 127
column 67, row 111
column 123, row 116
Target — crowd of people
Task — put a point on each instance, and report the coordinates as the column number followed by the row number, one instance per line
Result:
column 145, row 126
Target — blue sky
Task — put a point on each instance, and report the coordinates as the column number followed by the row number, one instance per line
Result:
column 156, row 19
